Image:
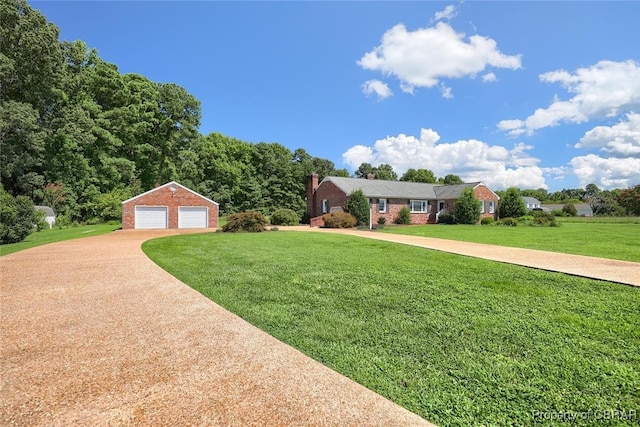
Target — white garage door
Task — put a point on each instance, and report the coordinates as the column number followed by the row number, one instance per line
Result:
column 192, row 217
column 151, row 217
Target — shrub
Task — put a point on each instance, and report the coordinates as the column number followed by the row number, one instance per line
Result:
column 487, row 220
column 446, row 218
column 285, row 217
column 358, row 206
column 508, row 222
column 570, row 209
column 249, row 222
column 17, row 217
column 512, row 204
column 382, row 220
column 544, row 219
column 339, row 220
column 558, row 212
column 467, row 208
column 404, row 216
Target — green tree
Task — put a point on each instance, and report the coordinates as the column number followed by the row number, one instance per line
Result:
column 450, row 179
column 512, row 205
column 358, row 206
column 629, row 199
column 17, row 217
column 467, row 208
column 21, row 148
column 419, row 175
column 385, row 172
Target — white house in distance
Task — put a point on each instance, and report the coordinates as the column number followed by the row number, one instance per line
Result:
column 531, row 203
column 50, row 215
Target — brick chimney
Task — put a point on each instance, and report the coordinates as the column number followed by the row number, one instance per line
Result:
column 312, row 184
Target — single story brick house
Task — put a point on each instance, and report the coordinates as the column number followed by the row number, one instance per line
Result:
column 426, row 201
column 171, row 205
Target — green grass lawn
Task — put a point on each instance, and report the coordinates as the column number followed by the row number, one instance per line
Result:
column 57, row 235
column 601, row 239
column 457, row 340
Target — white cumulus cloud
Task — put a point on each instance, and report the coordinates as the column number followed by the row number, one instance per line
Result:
column 423, row 57
column 472, row 160
column 376, row 87
column 606, row 173
column 446, row 14
column 620, row 140
column 605, row 89
column 489, row 78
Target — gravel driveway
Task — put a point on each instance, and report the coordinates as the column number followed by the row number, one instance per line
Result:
column 94, row 333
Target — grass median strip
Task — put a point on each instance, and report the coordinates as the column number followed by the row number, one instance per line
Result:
column 459, row 341
column 599, row 239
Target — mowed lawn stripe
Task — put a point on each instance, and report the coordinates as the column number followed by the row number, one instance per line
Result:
column 457, row 340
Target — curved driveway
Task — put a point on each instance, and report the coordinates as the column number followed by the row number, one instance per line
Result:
column 94, row 333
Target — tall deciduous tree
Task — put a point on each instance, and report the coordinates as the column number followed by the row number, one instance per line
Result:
column 419, row 175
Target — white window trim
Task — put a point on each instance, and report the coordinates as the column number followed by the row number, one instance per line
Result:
column 325, row 205
column 423, row 206
column 483, row 208
column 384, row 207
column 492, row 206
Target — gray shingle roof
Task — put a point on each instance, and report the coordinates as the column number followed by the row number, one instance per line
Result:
column 399, row 189
column 531, row 200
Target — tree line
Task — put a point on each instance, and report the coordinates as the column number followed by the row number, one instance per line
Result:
column 78, row 135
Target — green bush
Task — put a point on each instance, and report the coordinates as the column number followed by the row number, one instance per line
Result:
column 467, row 208
column 358, row 206
column 404, row 216
column 382, row 220
column 570, row 209
column 508, row 222
column 285, row 217
column 339, row 220
column 558, row 212
column 247, row 222
column 544, row 219
column 487, row 220
column 446, row 218
column 17, row 217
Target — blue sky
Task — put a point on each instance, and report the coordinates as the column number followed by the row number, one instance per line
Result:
column 526, row 94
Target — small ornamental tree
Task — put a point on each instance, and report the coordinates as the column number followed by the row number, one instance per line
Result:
column 358, row 206
column 245, row 222
column 512, row 205
column 467, row 208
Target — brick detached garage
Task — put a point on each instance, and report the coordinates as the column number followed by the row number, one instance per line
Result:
column 171, row 205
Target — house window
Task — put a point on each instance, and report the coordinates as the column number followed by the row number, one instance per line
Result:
column 492, row 206
column 418, row 205
column 482, row 206
column 325, row 206
column 382, row 205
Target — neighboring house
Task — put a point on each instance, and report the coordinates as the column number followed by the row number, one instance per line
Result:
column 583, row 209
column 171, row 205
column 50, row 215
column 531, row 203
column 426, row 201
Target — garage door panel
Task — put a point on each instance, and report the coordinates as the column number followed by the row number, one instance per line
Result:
column 151, row 217
column 192, row 217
